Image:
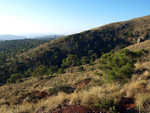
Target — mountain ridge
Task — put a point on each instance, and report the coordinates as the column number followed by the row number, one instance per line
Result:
column 119, row 26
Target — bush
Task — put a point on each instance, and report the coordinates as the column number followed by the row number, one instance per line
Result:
column 118, row 66
column 130, row 34
column 85, row 60
column 57, row 89
column 92, row 69
column 14, row 77
column 81, row 68
column 60, row 71
column 40, row 71
column 108, row 104
column 19, row 80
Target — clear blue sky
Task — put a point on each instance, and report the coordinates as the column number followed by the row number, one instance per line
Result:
column 21, row 17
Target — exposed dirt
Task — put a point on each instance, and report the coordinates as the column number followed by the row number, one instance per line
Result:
column 33, row 96
column 82, row 84
column 77, row 109
column 125, row 105
column 39, row 94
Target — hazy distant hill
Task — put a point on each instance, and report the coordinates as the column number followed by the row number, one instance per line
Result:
column 11, row 37
column 15, row 37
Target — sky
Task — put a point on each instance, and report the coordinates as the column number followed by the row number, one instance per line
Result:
column 28, row 17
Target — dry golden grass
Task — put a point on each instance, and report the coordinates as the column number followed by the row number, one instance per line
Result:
column 142, row 65
column 9, row 93
column 143, row 101
column 87, row 95
column 137, row 47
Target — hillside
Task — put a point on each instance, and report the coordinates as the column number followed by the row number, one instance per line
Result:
column 9, row 49
column 99, row 40
column 92, row 43
column 84, row 47
column 86, row 91
column 106, row 37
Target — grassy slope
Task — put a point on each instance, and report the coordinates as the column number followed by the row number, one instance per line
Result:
column 11, row 93
column 142, row 45
column 87, row 95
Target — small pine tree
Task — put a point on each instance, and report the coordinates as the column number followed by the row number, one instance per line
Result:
column 118, row 66
column 71, row 60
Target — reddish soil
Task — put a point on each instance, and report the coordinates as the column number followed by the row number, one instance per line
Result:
column 77, row 109
column 39, row 94
column 82, row 84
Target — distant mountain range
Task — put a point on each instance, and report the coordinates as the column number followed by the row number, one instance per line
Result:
column 11, row 37
column 15, row 37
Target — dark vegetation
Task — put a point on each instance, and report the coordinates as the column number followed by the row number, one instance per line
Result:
column 119, row 67
column 9, row 50
column 77, row 49
column 109, row 104
column 57, row 89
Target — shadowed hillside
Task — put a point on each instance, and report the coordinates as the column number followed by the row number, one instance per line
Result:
column 92, row 43
column 101, row 39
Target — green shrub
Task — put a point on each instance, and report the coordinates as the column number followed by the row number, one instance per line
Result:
column 57, row 89
column 85, row 60
column 60, row 71
column 92, row 69
column 14, row 78
column 108, row 104
column 19, row 80
column 130, row 34
column 119, row 66
column 81, row 68
column 40, row 71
